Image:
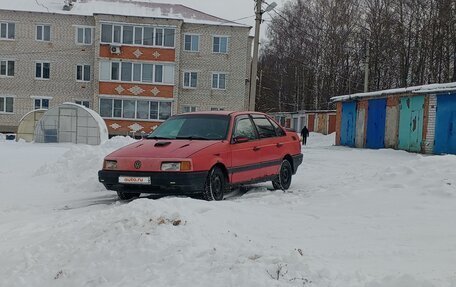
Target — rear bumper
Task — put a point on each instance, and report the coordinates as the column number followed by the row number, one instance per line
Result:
column 297, row 160
column 161, row 182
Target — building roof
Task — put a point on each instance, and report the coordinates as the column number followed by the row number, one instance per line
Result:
column 136, row 8
column 425, row 89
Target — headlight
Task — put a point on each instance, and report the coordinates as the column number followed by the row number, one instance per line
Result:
column 176, row 166
column 110, row 164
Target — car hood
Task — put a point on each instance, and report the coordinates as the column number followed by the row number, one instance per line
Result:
column 162, row 148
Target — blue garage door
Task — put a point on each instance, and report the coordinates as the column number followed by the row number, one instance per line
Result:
column 376, row 117
column 347, row 132
column 445, row 125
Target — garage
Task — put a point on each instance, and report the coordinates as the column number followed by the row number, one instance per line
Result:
column 416, row 119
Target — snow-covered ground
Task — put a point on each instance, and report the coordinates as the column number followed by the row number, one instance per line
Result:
column 352, row 218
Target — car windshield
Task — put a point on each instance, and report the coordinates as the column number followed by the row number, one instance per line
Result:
column 194, row 127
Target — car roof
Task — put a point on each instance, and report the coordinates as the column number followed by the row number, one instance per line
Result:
column 224, row 113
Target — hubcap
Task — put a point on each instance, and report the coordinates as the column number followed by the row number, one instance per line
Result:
column 285, row 175
column 216, row 186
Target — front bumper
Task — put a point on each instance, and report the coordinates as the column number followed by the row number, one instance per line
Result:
column 297, row 160
column 161, row 182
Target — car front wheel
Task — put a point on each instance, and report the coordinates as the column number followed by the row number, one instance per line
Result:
column 283, row 180
column 215, row 186
column 126, row 196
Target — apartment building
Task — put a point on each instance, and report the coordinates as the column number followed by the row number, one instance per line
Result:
column 134, row 62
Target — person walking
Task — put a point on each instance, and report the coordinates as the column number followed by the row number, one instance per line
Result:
column 304, row 135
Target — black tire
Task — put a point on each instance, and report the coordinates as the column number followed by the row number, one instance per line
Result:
column 215, row 186
column 283, row 180
column 276, row 184
column 126, row 196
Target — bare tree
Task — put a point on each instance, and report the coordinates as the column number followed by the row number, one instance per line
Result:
column 318, row 49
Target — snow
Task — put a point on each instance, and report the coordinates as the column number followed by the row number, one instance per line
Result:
column 427, row 89
column 353, row 217
column 137, row 8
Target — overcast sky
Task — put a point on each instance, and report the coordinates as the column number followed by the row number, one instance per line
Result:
column 228, row 9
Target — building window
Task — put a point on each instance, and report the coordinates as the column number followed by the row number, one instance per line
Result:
column 7, row 68
column 190, row 80
column 43, row 33
column 219, row 81
column 83, row 103
column 148, row 38
column 84, row 35
column 42, row 70
column 138, row 35
column 217, row 109
column 83, row 73
column 41, row 103
column 137, row 72
column 6, row 104
column 127, row 34
column 220, row 44
column 135, row 109
column 189, row 109
column 106, row 33
column 139, row 31
column 117, row 34
column 7, row 31
column 191, row 43
column 164, row 110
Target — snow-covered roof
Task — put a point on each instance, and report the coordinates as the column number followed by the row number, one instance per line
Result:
column 425, row 89
column 136, row 8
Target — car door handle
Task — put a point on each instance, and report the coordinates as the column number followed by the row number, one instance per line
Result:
column 256, row 148
column 279, row 144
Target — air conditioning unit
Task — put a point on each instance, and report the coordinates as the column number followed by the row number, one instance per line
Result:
column 114, row 49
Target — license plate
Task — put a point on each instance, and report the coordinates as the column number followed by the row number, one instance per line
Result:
column 134, row 180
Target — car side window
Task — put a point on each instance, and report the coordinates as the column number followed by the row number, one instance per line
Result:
column 264, row 126
column 279, row 131
column 244, row 128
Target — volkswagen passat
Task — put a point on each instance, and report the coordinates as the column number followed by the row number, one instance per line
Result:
column 205, row 153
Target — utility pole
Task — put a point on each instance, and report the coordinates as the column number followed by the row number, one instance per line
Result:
column 280, row 93
column 366, row 69
column 261, row 84
column 256, row 43
column 297, row 90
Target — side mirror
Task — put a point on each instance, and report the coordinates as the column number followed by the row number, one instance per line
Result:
column 237, row 140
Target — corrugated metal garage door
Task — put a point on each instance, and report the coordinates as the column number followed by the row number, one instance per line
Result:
column 376, row 116
column 347, row 134
column 445, row 127
column 411, row 123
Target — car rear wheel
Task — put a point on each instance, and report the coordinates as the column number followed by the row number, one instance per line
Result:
column 215, row 186
column 283, row 180
column 126, row 196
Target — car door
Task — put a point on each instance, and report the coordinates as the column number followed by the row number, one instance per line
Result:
column 281, row 139
column 245, row 153
column 269, row 155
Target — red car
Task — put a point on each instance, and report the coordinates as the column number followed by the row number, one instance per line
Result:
column 204, row 153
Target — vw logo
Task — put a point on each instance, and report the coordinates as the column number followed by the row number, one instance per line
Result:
column 137, row 164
